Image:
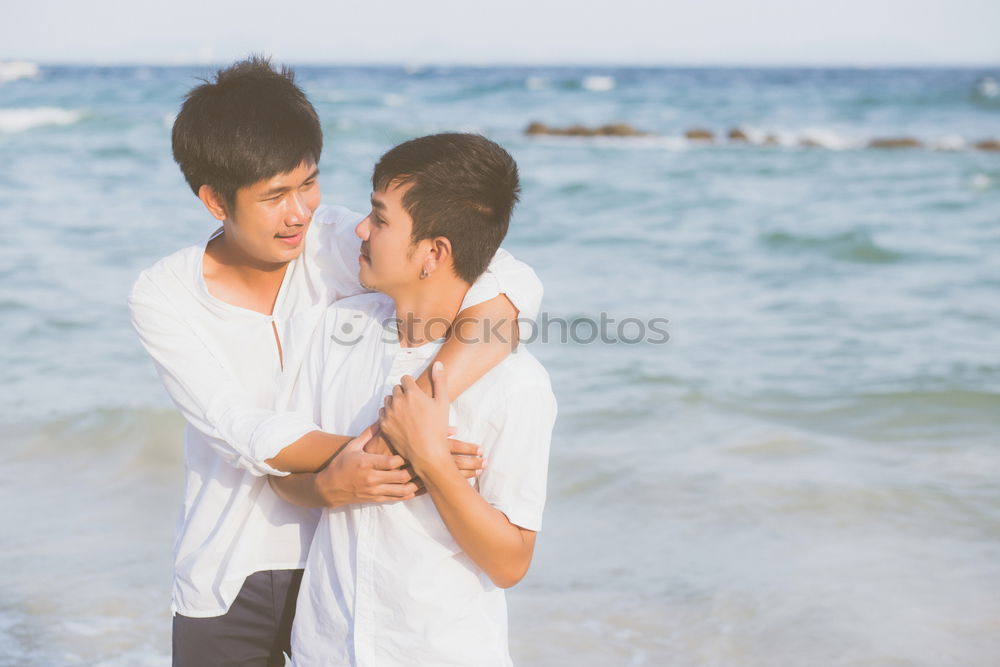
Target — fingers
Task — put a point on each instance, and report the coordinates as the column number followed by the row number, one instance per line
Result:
column 385, row 462
column 398, row 477
column 472, row 463
column 465, row 448
column 452, row 430
column 358, row 442
column 395, row 491
column 439, row 382
column 407, row 384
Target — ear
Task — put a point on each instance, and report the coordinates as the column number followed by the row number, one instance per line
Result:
column 438, row 255
column 213, row 202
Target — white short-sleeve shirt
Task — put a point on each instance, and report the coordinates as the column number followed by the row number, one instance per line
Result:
column 386, row 584
column 220, row 366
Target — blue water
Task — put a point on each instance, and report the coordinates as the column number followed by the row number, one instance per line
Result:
column 804, row 474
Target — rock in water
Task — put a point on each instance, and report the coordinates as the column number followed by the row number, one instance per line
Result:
column 699, row 134
column 619, row 130
column 611, row 130
column 537, row 128
column 736, row 134
column 988, row 145
column 895, row 142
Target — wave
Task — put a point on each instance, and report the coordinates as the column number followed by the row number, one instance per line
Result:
column 21, row 120
column 984, row 181
column 393, row 100
column 13, row 71
column 126, row 439
column 598, row 83
column 536, row 83
column 988, row 87
column 852, row 246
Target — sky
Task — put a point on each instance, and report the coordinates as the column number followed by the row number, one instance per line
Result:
column 666, row 32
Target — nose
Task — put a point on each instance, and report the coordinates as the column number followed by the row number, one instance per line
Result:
column 363, row 228
column 299, row 210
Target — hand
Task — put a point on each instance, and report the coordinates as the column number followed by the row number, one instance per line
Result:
column 357, row 476
column 378, row 444
column 468, row 457
column 415, row 424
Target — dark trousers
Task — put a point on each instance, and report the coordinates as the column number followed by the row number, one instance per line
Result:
column 255, row 632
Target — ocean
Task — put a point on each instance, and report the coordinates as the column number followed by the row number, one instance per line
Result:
column 802, row 471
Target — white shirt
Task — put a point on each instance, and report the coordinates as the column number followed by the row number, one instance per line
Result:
column 386, row 584
column 220, row 365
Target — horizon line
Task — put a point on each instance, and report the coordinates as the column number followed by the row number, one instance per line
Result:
column 498, row 64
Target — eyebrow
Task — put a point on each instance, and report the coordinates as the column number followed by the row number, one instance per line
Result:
column 277, row 191
column 377, row 203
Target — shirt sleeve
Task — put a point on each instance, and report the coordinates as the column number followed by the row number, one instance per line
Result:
column 514, row 480
column 510, row 276
column 206, row 394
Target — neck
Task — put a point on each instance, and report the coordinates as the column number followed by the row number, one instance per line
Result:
column 428, row 308
column 234, row 260
column 239, row 279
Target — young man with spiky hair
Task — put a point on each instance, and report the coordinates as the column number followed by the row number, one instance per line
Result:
column 420, row 582
column 226, row 322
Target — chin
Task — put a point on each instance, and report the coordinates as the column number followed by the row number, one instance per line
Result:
column 365, row 280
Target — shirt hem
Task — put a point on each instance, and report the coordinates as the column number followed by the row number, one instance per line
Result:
column 222, row 611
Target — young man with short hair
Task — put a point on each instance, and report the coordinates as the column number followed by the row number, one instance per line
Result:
column 226, row 323
column 420, row 582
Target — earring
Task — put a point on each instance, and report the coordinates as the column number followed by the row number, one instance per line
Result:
column 423, row 273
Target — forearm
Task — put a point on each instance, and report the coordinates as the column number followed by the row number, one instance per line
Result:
column 298, row 489
column 501, row 549
column 309, row 453
column 480, row 338
column 351, row 476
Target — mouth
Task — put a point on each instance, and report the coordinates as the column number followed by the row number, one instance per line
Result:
column 290, row 239
column 363, row 257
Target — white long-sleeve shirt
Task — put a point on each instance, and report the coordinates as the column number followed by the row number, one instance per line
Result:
column 386, row 584
column 221, row 367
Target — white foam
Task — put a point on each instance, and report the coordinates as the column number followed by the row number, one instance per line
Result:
column 826, row 138
column 952, row 142
column 598, row 83
column 393, row 100
column 536, row 83
column 13, row 71
column 980, row 182
column 754, row 135
column 988, row 87
column 19, row 120
column 812, row 136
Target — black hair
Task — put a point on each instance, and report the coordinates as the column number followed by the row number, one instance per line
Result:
column 251, row 123
column 464, row 188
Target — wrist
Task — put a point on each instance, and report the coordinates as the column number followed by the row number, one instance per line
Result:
column 330, row 494
column 432, row 462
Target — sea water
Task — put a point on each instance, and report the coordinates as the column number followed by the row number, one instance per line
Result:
column 803, row 471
